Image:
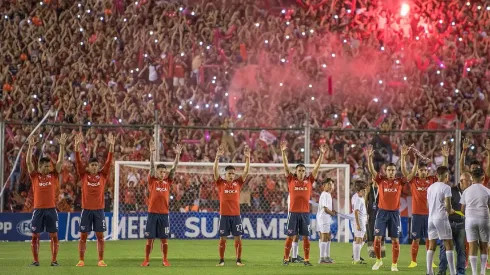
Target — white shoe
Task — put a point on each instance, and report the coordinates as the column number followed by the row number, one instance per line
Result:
column 394, row 267
column 377, row 265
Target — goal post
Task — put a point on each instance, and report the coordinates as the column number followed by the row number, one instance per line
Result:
column 194, row 206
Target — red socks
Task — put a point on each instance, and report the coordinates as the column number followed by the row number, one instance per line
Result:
column 306, row 248
column 164, row 247
column 415, row 250
column 54, row 246
column 222, row 247
column 82, row 245
column 287, row 248
column 396, row 251
column 148, row 248
column 35, row 246
column 238, row 248
column 377, row 248
column 100, row 245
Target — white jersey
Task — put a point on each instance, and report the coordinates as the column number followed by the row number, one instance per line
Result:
column 325, row 201
column 476, row 199
column 436, row 194
column 358, row 203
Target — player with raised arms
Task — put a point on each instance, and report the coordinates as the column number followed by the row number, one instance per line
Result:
column 44, row 186
column 418, row 188
column 324, row 220
column 300, row 188
column 388, row 217
column 475, row 203
column 360, row 220
column 93, row 181
column 230, row 221
column 439, row 200
column 475, row 164
column 160, row 181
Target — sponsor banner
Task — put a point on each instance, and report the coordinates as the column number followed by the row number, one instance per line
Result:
column 194, row 225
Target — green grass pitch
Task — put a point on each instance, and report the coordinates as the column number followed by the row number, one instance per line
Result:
column 193, row 257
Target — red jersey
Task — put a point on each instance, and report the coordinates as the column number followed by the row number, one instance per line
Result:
column 389, row 192
column 418, row 188
column 300, row 193
column 93, row 186
column 158, row 202
column 44, row 188
column 229, row 196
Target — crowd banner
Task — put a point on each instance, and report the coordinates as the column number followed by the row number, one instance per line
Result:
column 191, row 225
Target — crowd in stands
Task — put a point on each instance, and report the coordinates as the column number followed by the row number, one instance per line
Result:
column 352, row 70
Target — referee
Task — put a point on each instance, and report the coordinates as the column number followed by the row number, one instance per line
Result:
column 372, row 209
column 457, row 226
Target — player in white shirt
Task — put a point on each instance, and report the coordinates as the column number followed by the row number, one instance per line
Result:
column 324, row 220
column 475, row 203
column 360, row 220
column 295, row 257
column 439, row 200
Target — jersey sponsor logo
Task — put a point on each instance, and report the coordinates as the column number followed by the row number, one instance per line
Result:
column 93, row 184
column 44, row 184
column 161, row 189
column 231, row 191
column 24, row 228
column 296, row 188
column 424, row 189
column 390, row 190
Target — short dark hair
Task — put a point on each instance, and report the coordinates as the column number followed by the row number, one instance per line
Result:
column 44, row 160
column 442, row 171
column 229, row 167
column 390, row 164
column 360, row 185
column 327, row 181
column 478, row 174
column 300, row 165
column 91, row 160
column 475, row 162
column 422, row 164
column 161, row 166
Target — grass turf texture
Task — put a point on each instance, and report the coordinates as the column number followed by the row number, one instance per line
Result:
column 194, row 257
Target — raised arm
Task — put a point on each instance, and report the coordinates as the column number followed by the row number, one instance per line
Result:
column 61, row 154
column 108, row 162
column 30, row 166
column 466, row 145
column 78, row 160
column 445, row 154
column 487, row 149
column 152, row 158
column 178, row 151
column 408, row 175
column 284, row 147
column 246, row 152
column 369, row 156
column 219, row 153
column 323, row 150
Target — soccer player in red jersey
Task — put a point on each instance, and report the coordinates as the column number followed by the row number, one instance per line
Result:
column 93, row 181
column 300, row 187
column 160, row 181
column 418, row 188
column 229, row 205
column 390, row 189
column 44, row 186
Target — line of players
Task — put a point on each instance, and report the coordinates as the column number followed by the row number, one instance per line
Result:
column 45, row 183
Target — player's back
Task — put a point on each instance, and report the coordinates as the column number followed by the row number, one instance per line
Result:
column 436, row 195
column 476, row 199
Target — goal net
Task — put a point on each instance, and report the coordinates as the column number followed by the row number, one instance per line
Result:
column 194, row 204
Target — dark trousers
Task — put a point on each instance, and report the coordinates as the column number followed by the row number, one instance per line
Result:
column 459, row 237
